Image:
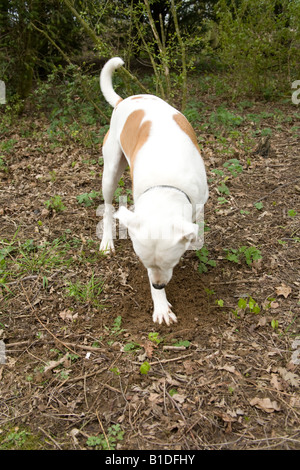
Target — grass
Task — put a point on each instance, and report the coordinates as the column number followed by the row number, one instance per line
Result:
column 19, row 438
column 86, row 293
column 30, row 259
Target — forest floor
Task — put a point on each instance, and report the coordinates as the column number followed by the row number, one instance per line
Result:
column 76, row 326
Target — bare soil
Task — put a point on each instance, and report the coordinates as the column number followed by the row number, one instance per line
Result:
column 220, row 378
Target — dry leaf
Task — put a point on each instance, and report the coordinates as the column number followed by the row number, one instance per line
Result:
column 154, row 397
column 66, row 315
column 289, row 377
column 149, row 346
column 52, row 364
column 265, row 404
column 189, row 367
column 274, row 304
column 262, row 321
column 275, row 382
column 179, row 397
column 283, row 290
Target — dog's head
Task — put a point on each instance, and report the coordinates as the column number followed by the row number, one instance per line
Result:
column 158, row 243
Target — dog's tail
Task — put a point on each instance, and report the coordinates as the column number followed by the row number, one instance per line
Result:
column 106, row 80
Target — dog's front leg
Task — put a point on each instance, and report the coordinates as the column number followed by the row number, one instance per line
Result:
column 114, row 165
column 107, row 244
column 162, row 308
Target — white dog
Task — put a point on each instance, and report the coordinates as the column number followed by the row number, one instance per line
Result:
column 168, row 178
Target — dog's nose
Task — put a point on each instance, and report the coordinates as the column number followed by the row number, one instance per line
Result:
column 158, row 286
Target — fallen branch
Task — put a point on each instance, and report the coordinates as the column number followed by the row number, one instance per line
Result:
column 276, row 189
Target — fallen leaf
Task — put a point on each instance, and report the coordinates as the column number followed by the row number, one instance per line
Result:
column 262, row 321
column 190, row 367
column 52, row 364
column 265, row 404
column 225, row 417
column 275, row 382
column 154, row 398
column 149, row 346
column 289, row 377
column 274, row 304
column 179, row 397
column 67, row 315
column 283, row 290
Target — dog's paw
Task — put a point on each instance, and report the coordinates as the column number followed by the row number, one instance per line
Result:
column 164, row 315
column 107, row 247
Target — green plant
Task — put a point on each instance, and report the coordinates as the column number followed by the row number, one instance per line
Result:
column 107, row 441
column 259, row 205
column 250, row 254
column 55, row 203
column 244, row 29
column 88, row 198
column 41, row 258
column 247, row 304
column 131, row 347
column 86, row 293
column 222, row 200
column 19, row 438
column 115, row 330
column 154, row 337
column 223, row 188
column 8, row 145
column 3, row 165
column 204, row 261
column 274, row 324
column 183, row 342
column 225, row 118
column 145, row 367
column 233, row 166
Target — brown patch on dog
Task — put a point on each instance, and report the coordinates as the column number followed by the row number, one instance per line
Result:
column 134, row 135
column 185, row 126
column 118, row 102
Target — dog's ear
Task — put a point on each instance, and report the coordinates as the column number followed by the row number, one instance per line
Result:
column 188, row 232
column 125, row 216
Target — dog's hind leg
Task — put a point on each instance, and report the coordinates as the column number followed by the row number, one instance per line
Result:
column 114, row 165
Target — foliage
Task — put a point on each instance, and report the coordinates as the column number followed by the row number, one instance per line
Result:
column 55, row 203
column 254, row 42
column 258, row 44
column 250, row 254
column 145, row 368
column 107, row 441
column 86, row 293
column 204, row 261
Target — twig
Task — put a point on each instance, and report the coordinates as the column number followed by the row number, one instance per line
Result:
column 86, row 348
column 164, row 361
column 277, row 189
column 107, row 442
column 174, row 348
column 44, row 326
column 49, row 437
column 18, row 343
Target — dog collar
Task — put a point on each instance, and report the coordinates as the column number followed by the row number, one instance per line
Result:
column 168, row 187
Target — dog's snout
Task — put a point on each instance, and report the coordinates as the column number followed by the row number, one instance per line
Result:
column 159, row 286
